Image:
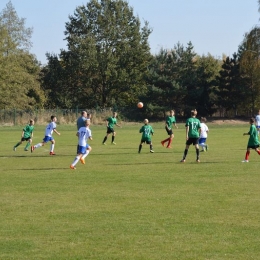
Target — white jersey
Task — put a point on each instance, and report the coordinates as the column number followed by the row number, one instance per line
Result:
column 257, row 120
column 49, row 129
column 83, row 134
column 203, row 130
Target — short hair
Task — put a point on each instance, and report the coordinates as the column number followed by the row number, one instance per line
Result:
column 252, row 120
column 83, row 112
column 31, row 120
column 203, row 119
column 146, row 121
column 52, row 117
column 194, row 112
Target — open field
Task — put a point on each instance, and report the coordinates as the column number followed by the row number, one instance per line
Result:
column 124, row 205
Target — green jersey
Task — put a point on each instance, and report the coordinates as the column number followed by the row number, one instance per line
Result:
column 28, row 131
column 169, row 121
column 194, row 126
column 111, row 122
column 147, row 131
column 253, row 139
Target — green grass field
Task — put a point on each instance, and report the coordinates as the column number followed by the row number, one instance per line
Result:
column 125, row 205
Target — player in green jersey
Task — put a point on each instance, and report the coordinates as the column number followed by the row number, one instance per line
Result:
column 27, row 135
column 253, row 142
column 111, row 121
column 170, row 120
column 192, row 135
column 146, row 131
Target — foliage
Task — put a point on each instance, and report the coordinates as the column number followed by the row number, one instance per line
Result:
column 20, row 87
column 108, row 64
column 107, row 57
column 231, row 91
column 19, row 70
column 182, row 80
column 15, row 26
column 250, row 66
column 207, row 72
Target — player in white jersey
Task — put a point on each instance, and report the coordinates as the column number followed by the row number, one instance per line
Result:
column 83, row 134
column 203, row 134
column 50, row 128
column 257, row 122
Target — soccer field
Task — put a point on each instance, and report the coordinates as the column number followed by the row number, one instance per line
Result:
column 125, row 205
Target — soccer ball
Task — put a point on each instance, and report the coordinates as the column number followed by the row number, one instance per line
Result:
column 140, row 105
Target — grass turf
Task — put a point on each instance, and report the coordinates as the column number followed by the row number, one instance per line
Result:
column 125, row 205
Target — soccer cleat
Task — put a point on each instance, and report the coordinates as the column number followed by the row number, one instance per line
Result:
column 151, row 151
column 207, row 147
column 25, row 149
column 32, row 148
column 72, row 167
column 245, row 161
column 162, row 142
column 104, row 143
column 14, row 148
column 52, row 153
column 182, row 160
column 202, row 151
column 113, row 143
column 198, row 161
column 82, row 160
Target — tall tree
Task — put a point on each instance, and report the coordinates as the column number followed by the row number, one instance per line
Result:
column 15, row 26
column 250, row 65
column 207, row 72
column 164, row 88
column 19, row 73
column 231, row 88
column 188, row 77
column 108, row 54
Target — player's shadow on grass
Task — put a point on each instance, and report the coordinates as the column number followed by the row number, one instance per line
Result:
column 5, row 156
column 41, row 169
column 163, row 163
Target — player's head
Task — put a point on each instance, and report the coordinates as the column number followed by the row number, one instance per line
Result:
column 53, row 118
column 84, row 113
column 203, row 119
column 87, row 122
column 31, row 121
column 194, row 112
column 252, row 120
column 146, row 121
column 172, row 112
column 114, row 114
column 89, row 115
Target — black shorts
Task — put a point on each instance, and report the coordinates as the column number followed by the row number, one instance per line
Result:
column 193, row 141
column 25, row 139
column 169, row 131
column 253, row 146
column 146, row 141
column 110, row 130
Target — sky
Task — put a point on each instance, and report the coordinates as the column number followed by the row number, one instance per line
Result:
column 213, row 27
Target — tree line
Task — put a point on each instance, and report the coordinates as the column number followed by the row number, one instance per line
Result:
column 108, row 63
